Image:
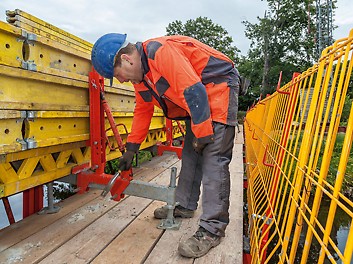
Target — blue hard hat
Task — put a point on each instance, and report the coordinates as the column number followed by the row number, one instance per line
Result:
column 104, row 51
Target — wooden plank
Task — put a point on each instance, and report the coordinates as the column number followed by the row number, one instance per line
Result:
column 19, row 231
column 86, row 245
column 40, row 244
column 230, row 249
column 37, row 246
column 135, row 242
column 34, row 223
column 139, row 237
column 166, row 249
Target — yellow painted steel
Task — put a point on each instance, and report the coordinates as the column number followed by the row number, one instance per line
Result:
column 33, row 24
column 292, row 144
column 44, row 104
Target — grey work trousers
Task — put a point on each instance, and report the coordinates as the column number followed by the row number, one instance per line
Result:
column 212, row 168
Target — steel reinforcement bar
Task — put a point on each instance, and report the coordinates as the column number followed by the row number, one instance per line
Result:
column 44, row 104
column 298, row 165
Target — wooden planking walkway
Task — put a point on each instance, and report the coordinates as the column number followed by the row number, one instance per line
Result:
column 90, row 229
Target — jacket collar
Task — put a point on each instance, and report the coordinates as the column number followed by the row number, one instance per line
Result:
column 143, row 55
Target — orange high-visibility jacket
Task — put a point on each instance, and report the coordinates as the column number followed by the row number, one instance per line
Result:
column 186, row 79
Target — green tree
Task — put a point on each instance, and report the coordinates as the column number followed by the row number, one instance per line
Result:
column 283, row 40
column 204, row 30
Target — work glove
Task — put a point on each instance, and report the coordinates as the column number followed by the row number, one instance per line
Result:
column 199, row 146
column 125, row 161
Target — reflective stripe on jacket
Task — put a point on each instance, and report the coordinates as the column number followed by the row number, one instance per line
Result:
column 186, row 79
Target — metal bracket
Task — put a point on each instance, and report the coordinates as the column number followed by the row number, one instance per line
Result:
column 29, row 65
column 23, row 143
column 150, row 191
column 31, row 114
column 160, row 193
column 51, row 208
column 268, row 221
column 31, row 143
column 23, row 114
column 29, row 36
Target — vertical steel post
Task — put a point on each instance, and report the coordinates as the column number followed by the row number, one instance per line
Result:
column 8, row 210
column 32, row 200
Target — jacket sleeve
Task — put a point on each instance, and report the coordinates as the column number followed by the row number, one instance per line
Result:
column 185, row 88
column 143, row 113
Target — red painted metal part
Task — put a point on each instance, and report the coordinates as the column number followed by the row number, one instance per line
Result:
column 32, row 200
column 246, row 258
column 264, row 162
column 253, row 135
column 168, row 145
column 284, row 139
column 94, row 174
column 113, row 126
column 279, row 85
column 8, row 210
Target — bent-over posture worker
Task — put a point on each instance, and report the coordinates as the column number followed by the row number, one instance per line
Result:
column 194, row 82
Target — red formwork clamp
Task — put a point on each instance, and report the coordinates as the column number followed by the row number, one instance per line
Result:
column 93, row 174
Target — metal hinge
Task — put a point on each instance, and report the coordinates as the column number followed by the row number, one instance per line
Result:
column 31, row 114
column 29, row 36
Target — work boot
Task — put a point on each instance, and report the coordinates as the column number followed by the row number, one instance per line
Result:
column 199, row 244
column 179, row 211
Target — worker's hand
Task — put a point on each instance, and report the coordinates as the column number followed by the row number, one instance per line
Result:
column 199, row 146
column 125, row 161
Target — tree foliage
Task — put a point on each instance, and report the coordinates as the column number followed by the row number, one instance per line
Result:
column 204, row 30
column 283, row 40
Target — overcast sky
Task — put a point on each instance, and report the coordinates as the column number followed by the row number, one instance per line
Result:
column 146, row 19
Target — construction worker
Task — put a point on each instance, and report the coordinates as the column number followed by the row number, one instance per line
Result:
column 191, row 81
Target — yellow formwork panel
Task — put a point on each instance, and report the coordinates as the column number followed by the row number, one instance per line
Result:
column 53, row 128
column 46, row 29
column 22, row 49
column 11, row 43
column 10, row 130
column 36, row 53
column 27, row 90
column 42, row 31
